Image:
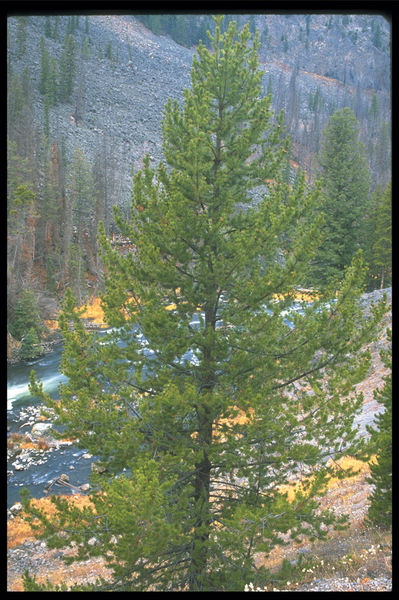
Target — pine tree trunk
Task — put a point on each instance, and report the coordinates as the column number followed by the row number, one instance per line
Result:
column 199, row 557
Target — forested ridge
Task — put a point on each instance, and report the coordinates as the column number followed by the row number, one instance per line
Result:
column 84, row 98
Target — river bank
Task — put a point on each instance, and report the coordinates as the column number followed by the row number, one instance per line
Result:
column 61, row 468
column 92, row 317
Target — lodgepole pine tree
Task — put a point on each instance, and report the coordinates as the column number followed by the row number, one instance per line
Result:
column 67, row 68
column 377, row 238
column 380, row 509
column 193, row 406
column 345, row 191
column 382, row 246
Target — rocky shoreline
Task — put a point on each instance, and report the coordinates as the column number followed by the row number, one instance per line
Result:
column 32, row 445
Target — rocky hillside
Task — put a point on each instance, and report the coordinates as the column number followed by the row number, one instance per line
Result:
column 76, row 150
column 118, row 102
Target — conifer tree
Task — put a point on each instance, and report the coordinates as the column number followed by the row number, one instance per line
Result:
column 44, row 66
column 345, row 194
column 30, row 347
column 67, row 68
column 26, row 316
column 380, row 509
column 108, row 50
column 21, row 218
column 82, row 208
column 50, row 221
column 21, row 36
column 16, row 102
column 382, row 153
column 382, row 240
column 55, row 31
column 48, row 82
column 269, row 85
column 47, row 27
column 374, row 108
column 46, row 116
column 190, row 406
column 377, row 238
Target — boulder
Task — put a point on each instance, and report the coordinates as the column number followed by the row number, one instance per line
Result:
column 16, row 508
column 40, row 429
column 18, row 467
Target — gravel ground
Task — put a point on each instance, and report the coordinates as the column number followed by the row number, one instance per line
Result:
column 345, row 584
column 35, row 556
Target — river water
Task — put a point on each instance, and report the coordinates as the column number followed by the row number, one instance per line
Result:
column 46, row 466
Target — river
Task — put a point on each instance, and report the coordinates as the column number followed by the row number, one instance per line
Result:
column 48, row 465
column 43, row 467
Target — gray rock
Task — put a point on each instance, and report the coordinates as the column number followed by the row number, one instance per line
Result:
column 16, row 508
column 92, row 541
column 18, row 467
column 40, row 429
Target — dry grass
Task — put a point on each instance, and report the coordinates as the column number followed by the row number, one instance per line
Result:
column 51, row 324
column 74, row 574
column 357, row 551
column 343, row 553
column 357, row 556
column 94, row 312
column 15, row 440
column 18, row 531
column 24, row 442
column 346, row 463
